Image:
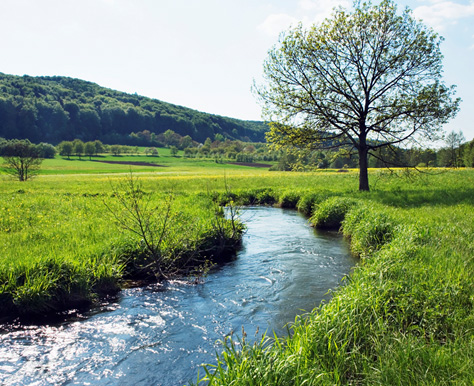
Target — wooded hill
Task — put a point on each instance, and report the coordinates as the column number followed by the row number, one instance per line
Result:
column 54, row 109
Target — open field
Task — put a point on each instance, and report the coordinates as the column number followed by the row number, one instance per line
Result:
column 404, row 317
column 107, row 163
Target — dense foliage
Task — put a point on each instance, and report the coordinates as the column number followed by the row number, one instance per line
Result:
column 53, row 109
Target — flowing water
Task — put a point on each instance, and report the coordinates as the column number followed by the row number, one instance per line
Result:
column 160, row 334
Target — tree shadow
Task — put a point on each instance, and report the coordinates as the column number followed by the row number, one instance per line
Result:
column 413, row 198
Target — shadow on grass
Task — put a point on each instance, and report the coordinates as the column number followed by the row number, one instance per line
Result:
column 413, row 198
column 83, row 158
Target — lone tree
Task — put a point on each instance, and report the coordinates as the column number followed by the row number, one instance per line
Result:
column 454, row 141
column 361, row 80
column 21, row 159
column 89, row 149
column 66, row 148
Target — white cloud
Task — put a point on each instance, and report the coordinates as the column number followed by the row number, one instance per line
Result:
column 443, row 13
column 320, row 9
column 275, row 23
column 306, row 12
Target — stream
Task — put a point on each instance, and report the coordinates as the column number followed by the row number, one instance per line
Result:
column 162, row 333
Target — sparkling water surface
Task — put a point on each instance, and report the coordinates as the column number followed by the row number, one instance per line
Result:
column 162, row 333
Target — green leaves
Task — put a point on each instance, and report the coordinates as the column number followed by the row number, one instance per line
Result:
column 368, row 77
column 22, row 159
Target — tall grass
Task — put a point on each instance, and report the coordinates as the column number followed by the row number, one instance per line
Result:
column 405, row 315
column 65, row 250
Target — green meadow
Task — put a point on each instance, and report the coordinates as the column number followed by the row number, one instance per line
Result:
column 404, row 316
column 107, row 163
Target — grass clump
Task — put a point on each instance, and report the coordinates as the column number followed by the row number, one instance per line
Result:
column 248, row 197
column 261, row 196
column 289, row 199
column 405, row 315
column 53, row 284
column 310, row 200
column 331, row 212
column 368, row 228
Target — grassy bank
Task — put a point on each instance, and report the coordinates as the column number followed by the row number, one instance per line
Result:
column 405, row 316
column 61, row 247
column 66, row 243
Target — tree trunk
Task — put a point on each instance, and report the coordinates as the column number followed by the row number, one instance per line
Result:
column 363, row 166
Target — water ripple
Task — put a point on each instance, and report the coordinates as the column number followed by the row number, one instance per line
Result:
column 160, row 334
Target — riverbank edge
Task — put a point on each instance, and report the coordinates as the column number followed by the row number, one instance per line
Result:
column 405, row 315
column 123, row 266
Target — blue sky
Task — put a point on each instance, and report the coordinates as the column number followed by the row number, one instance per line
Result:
column 202, row 54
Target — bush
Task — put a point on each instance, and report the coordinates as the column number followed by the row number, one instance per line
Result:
column 331, row 212
column 308, row 202
column 368, row 228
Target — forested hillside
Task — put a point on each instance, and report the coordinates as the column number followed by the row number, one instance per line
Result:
column 53, row 109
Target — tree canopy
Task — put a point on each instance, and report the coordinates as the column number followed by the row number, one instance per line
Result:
column 22, row 159
column 55, row 109
column 363, row 79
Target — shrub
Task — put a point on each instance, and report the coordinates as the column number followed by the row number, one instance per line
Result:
column 331, row 212
column 368, row 228
column 308, row 202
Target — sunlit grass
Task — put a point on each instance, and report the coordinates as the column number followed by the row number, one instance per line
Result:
column 405, row 316
column 165, row 164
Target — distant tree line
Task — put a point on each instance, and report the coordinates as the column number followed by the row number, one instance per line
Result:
column 456, row 152
column 220, row 149
column 55, row 109
column 22, row 159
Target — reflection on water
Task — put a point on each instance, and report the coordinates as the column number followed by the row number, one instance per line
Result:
column 160, row 334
